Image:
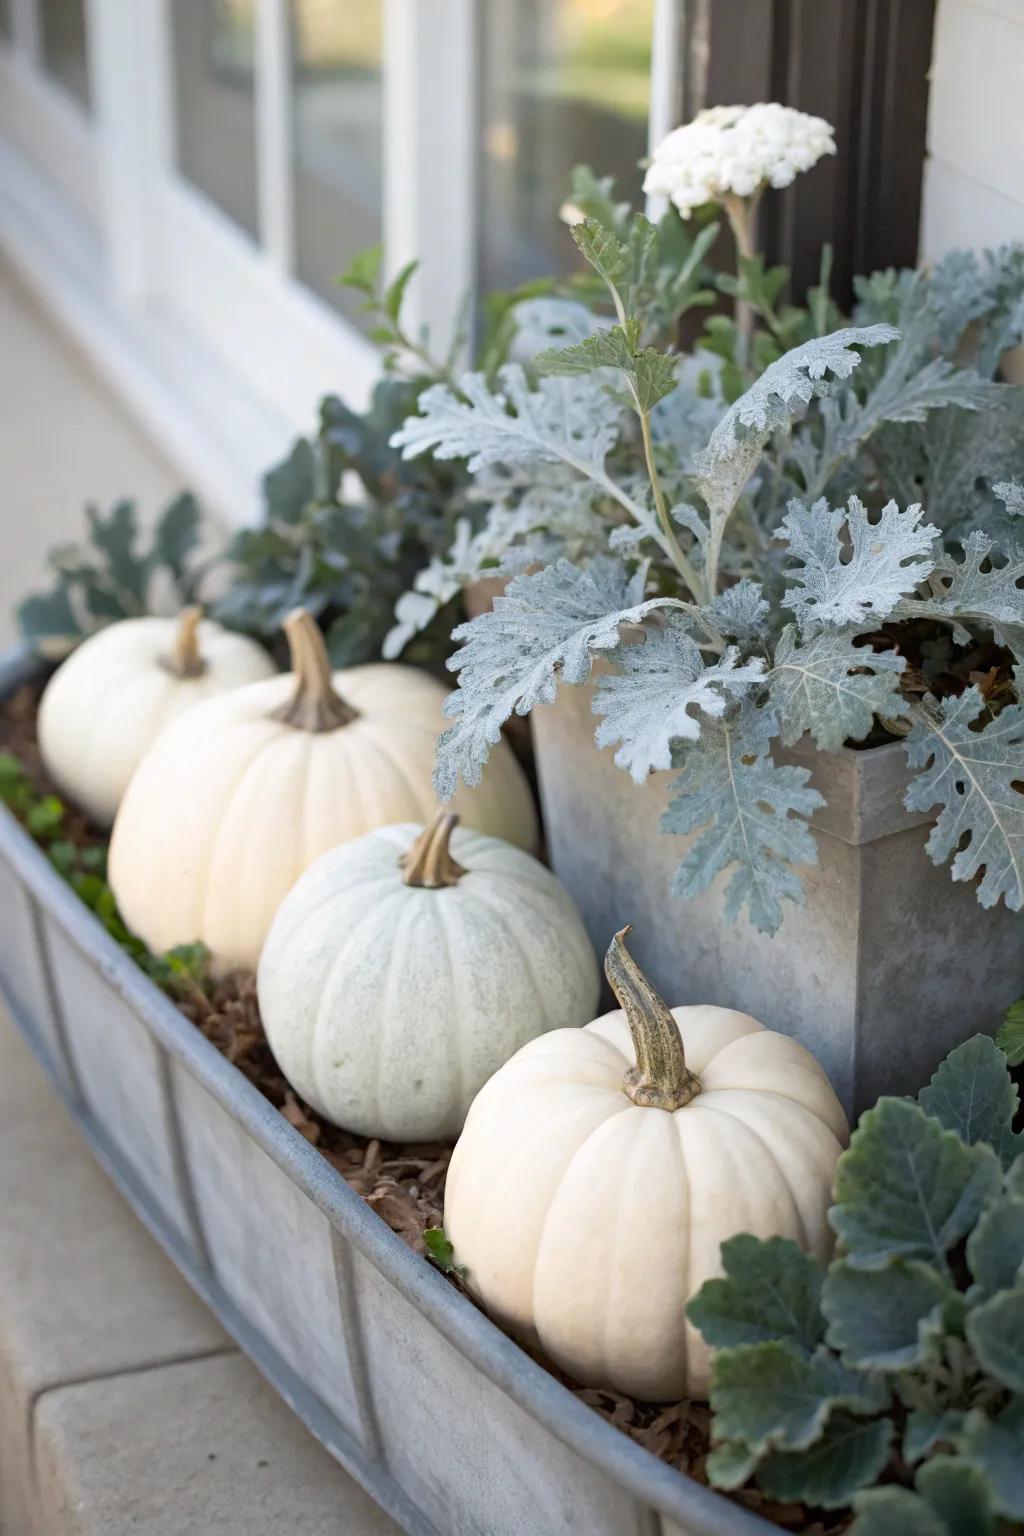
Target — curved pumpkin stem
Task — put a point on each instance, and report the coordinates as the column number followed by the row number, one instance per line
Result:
column 314, row 706
column 429, row 862
column 185, row 659
column 661, row 1079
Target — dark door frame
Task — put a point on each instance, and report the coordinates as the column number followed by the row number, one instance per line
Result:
column 863, row 65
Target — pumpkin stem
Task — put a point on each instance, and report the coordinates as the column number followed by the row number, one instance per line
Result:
column 661, row 1079
column 185, row 659
column 429, row 863
column 314, row 706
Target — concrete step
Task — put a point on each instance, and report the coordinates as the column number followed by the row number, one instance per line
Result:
column 124, row 1407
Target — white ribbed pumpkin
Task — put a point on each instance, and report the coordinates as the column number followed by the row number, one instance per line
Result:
column 398, row 976
column 104, row 708
column 588, row 1196
column 240, row 796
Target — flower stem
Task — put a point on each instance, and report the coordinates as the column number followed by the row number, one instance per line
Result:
column 740, row 213
column 672, row 546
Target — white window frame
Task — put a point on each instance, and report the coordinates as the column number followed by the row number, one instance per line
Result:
column 221, row 350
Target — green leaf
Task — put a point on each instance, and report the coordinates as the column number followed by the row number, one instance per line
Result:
column 177, row 534
column 608, row 256
column 363, row 271
column 748, row 807
column 971, row 775
column 927, row 1428
column 290, row 486
column 654, row 377
column 46, row 817
column 894, row 1512
column 959, row 1495
column 886, row 1319
column 441, row 1252
column 849, row 1454
column 115, row 536
column 771, row 1290
column 730, row 1465
column 993, row 1445
column 832, row 688
column 995, row 1331
column 768, row 1394
column 1010, row 1035
column 906, row 1188
column 394, row 293
column 47, row 619
column 972, row 1094
column 614, row 347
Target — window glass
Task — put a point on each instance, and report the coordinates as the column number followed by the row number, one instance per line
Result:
column 62, row 30
column 214, row 52
column 566, row 82
column 5, row 18
column 338, row 139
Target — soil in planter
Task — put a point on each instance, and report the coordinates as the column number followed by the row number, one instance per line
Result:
column 403, row 1184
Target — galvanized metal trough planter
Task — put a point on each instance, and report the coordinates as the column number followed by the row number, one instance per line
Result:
column 446, row 1423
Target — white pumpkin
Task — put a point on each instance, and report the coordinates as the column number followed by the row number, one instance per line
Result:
column 107, row 704
column 394, row 980
column 240, row 796
column 600, row 1171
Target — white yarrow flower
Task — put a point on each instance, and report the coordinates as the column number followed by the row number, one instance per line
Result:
column 737, row 151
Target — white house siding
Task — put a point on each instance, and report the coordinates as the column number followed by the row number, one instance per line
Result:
column 974, row 175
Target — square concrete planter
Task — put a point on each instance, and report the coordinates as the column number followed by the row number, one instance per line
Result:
column 887, row 966
column 441, row 1417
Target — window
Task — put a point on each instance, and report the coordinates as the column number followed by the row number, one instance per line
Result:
column 566, row 82
column 215, row 112
column 62, row 35
column 338, row 150
column 251, row 148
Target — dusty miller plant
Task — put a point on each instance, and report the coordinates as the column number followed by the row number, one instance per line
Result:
column 833, row 553
column 893, row 1379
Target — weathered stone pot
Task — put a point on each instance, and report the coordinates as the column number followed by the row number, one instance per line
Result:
column 887, row 966
column 444, row 1420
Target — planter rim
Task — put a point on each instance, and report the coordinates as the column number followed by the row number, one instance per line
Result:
column 703, row 1511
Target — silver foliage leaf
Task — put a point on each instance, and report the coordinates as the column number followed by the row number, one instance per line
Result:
column 542, row 631
column 740, row 611
column 1011, row 494
column 982, row 587
column 549, row 321
column 848, row 568
column 662, row 686
column 748, row 807
column 832, row 688
column 971, row 774
column 574, row 421
column 785, row 386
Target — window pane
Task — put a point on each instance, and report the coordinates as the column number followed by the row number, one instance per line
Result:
column 567, row 82
column 214, row 51
column 62, row 28
column 338, row 154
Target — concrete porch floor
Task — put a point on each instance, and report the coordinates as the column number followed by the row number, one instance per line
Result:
column 123, row 1405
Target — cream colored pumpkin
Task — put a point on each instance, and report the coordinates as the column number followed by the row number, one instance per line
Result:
column 398, row 976
column 588, row 1196
column 104, row 708
column 240, row 796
